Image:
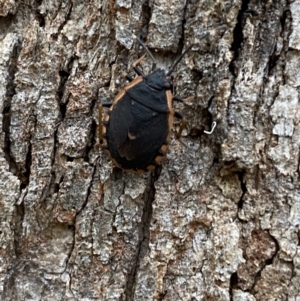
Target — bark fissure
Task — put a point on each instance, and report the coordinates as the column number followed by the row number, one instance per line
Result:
column 39, row 17
column 267, row 262
column 19, row 215
column 67, row 17
column 238, row 35
column 233, row 284
column 298, row 169
column 183, row 22
column 28, row 163
column 144, row 233
column 146, row 16
column 88, row 192
column 64, row 75
column 93, row 130
column 67, row 267
column 241, row 176
column 92, row 140
column 10, row 92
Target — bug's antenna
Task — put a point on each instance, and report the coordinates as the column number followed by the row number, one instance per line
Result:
column 144, row 46
column 179, row 59
column 221, row 27
column 183, row 54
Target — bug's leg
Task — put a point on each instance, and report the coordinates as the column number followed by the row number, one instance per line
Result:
column 106, row 104
column 100, row 111
column 183, row 100
column 183, row 123
column 127, row 76
column 137, row 62
column 138, row 71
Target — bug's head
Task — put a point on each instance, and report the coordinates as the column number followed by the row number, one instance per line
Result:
column 157, row 80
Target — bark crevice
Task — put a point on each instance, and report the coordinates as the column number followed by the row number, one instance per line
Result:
column 144, row 232
column 10, row 92
column 238, row 35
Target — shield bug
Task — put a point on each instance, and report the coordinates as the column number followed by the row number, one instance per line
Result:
column 136, row 130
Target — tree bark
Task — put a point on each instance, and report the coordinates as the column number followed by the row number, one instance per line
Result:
column 218, row 221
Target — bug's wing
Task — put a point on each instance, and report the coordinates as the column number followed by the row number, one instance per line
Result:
column 145, row 140
column 136, row 130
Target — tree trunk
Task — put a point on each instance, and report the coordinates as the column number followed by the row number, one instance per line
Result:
column 218, row 221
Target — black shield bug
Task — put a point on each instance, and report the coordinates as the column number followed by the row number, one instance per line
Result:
column 136, row 130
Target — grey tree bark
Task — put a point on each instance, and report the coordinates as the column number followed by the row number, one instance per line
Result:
column 220, row 219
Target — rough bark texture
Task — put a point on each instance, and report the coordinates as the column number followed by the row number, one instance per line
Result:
column 220, row 219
